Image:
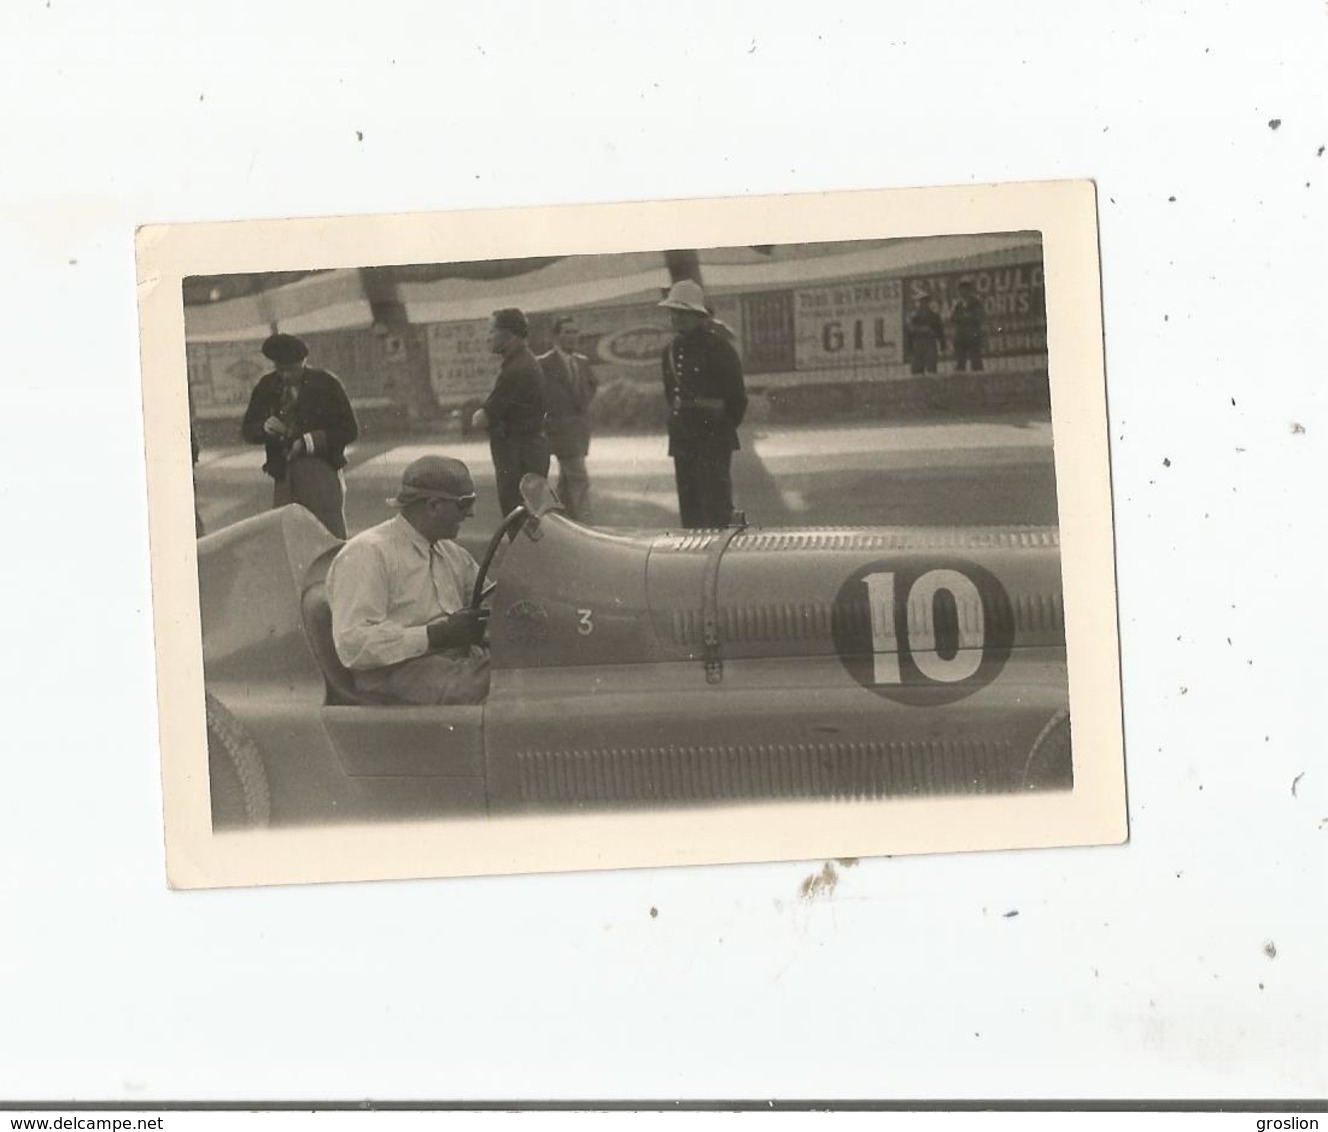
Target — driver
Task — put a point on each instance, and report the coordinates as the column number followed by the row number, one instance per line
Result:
column 399, row 595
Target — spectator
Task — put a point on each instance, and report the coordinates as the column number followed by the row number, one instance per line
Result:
column 303, row 418
column 194, row 452
column 513, row 414
column 569, row 387
column 969, row 316
column 924, row 336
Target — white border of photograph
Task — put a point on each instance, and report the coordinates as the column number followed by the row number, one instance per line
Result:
column 1092, row 813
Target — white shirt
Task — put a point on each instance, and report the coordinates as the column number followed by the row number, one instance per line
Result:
column 385, row 585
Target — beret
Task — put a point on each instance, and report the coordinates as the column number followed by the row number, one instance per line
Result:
column 285, row 349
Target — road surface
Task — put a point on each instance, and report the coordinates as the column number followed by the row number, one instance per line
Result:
column 915, row 474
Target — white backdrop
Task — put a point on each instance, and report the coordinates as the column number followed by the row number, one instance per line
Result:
column 1187, row 963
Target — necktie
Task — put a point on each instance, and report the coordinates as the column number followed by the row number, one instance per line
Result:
column 435, row 565
column 572, row 383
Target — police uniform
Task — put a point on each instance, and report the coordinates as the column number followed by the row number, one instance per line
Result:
column 707, row 400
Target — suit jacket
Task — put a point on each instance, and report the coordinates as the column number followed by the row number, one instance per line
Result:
column 320, row 410
column 706, row 393
column 567, row 397
column 515, row 408
column 969, row 318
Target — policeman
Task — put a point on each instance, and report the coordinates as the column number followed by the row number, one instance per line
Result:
column 707, row 399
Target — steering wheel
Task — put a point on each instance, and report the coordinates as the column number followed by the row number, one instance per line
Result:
column 514, row 520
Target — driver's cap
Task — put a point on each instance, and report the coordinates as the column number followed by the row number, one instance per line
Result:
column 432, row 476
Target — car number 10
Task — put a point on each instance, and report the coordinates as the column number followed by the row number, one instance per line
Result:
column 920, row 626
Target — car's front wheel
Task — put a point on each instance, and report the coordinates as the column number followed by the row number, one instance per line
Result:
column 1050, row 764
column 236, row 775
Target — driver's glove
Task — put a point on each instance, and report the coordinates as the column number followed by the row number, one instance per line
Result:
column 458, row 630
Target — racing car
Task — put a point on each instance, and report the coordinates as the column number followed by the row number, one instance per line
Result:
column 648, row 669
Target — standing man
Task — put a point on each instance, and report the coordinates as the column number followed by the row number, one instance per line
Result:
column 707, row 399
column 194, row 450
column 924, row 336
column 400, row 592
column 513, row 415
column 569, row 387
column 303, row 418
column 969, row 328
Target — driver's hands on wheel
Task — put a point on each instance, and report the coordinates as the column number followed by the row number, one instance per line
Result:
column 461, row 629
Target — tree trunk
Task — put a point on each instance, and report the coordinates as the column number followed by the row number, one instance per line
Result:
column 683, row 263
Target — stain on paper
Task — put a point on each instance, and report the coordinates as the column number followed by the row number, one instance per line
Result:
column 820, row 884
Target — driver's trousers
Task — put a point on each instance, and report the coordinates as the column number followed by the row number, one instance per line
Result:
column 436, row 678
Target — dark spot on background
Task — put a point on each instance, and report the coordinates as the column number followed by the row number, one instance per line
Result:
column 359, row 135
column 1273, row 123
column 1270, row 949
column 1171, row 200
column 1295, row 783
column 1166, row 461
column 1011, row 914
column 1297, row 428
column 653, row 912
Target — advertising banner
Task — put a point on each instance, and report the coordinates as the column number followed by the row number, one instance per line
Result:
column 629, row 337
column 460, row 365
column 848, row 325
column 222, row 375
column 1013, row 298
column 622, row 341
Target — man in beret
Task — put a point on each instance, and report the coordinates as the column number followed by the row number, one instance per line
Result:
column 707, row 400
column 303, row 418
column 400, row 593
column 569, row 387
column 513, row 414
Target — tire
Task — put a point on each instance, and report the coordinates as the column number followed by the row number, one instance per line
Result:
column 1050, row 764
column 236, row 776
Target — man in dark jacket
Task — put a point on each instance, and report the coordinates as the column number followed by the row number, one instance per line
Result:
column 707, row 400
column 569, row 387
column 513, row 414
column 969, row 327
column 303, row 418
column 924, row 336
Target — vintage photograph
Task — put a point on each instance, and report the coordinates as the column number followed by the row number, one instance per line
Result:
column 617, row 532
